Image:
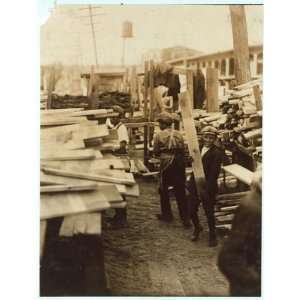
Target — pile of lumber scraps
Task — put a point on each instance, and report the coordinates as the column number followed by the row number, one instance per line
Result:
column 225, row 209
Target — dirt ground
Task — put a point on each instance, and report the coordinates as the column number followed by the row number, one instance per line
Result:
column 150, row 258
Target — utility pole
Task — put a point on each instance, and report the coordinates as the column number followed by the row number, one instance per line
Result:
column 240, row 43
column 93, row 33
column 92, row 25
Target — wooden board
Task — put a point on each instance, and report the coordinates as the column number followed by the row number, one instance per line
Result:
column 241, row 173
column 63, row 204
column 191, row 137
column 126, row 190
column 67, row 188
column 89, row 176
column 90, row 112
column 88, row 223
column 212, row 99
column 60, row 154
column 60, row 111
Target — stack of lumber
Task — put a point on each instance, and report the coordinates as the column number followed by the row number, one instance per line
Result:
column 105, row 100
column 225, row 209
column 77, row 180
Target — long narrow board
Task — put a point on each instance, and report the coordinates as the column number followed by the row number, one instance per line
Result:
column 67, row 188
column 89, row 176
column 241, row 173
column 126, row 190
column 58, row 154
column 191, row 137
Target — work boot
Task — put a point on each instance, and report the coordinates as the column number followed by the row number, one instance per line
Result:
column 164, row 218
column 212, row 240
column 196, row 233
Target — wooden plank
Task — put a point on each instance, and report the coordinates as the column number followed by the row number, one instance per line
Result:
column 229, row 208
column 59, row 154
column 192, row 139
column 239, row 172
column 67, row 188
column 45, row 123
column 151, row 90
column 121, row 204
column 88, row 223
column 240, row 43
column 190, row 85
column 126, row 190
column 90, row 112
column 62, row 204
column 89, row 176
column 59, row 111
column 212, row 81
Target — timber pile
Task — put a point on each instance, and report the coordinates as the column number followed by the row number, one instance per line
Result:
column 77, row 180
column 105, row 100
column 225, row 209
column 239, row 121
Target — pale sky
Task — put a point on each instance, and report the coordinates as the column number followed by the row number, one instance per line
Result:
column 206, row 28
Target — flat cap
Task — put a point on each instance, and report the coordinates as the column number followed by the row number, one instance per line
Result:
column 118, row 109
column 209, row 130
column 165, row 117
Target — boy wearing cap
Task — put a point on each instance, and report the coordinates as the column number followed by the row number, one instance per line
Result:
column 212, row 158
column 169, row 147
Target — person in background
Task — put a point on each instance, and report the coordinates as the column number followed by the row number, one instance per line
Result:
column 116, row 123
column 212, row 158
column 240, row 257
column 169, row 147
column 119, row 220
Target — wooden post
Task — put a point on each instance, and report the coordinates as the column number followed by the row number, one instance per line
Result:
column 146, row 85
column 91, row 82
column 257, row 96
column 192, row 139
column 92, row 95
column 151, row 90
column 190, row 85
column 212, row 81
column 146, row 131
column 240, row 43
column 51, row 86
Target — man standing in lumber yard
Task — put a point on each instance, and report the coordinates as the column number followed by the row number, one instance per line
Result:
column 212, row 158
column 240, row 257
column 169, row 147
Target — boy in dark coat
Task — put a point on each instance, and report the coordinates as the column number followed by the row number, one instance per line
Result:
column 212, row 158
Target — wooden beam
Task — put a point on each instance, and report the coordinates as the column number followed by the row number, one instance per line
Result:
column 190, row 85
column 192, row 139
column 212, row 81
column 241, row 173
column 240, row 43
column 151, row 90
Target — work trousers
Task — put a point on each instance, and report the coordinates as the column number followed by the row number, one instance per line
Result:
column 174, row 175
column 208, row 200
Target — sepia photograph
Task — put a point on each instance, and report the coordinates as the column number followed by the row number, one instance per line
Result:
column 150, row 149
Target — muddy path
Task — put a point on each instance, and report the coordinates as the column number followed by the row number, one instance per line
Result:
column 150, row 258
